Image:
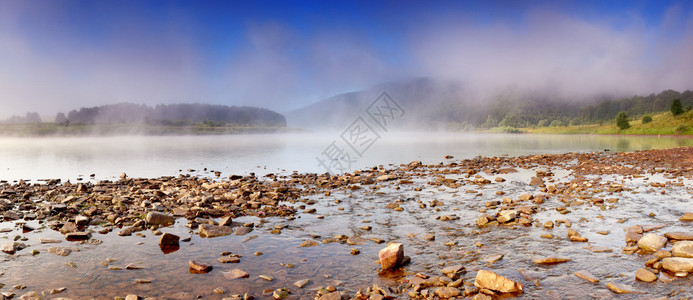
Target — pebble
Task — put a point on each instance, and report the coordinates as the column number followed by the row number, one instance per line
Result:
column 235, row 274
column 200, row 266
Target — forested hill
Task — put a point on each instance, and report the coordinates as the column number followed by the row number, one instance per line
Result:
column 173, row 114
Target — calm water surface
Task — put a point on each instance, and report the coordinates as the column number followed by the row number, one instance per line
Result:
column 153, row 156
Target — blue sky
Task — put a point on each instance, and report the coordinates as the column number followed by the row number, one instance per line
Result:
column 60, row 55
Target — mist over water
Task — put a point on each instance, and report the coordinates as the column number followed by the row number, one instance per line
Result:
column 153, row 156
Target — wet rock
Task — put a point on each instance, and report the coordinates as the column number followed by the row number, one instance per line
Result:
column 170, row 240
column 505, row 216
column 229, row 260
column 68, row 227
column 331, row 296
column 225, row 221
column 391, row 256
column 621, row 288
column 309, row 243
column 645, row 275
column 200, row 266
column 682, row 249
column 12, row 247
column 447, row 292
column 78, row 235
column 157, row 218
column 586, row 275
column 492, row 281
column 60, row 251
column 678, row 264
column 429, row 237
column 243, row 230
column 453, row 271
column 493, row 258
column 687, row 217
column 680, row 236
column 550, row 260
column 211, row 231
column 356, row 240
column 235, row 274
column 633, row 237
column 82, row 220
column 574, row 236
column 652, row 242
column 302, row 283
column 30, row 296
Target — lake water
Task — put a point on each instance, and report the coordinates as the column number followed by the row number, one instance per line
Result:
column 153, row 156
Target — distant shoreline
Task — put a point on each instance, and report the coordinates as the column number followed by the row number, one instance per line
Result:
column 134, row 129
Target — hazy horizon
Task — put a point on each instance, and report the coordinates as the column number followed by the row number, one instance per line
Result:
column 61, row 55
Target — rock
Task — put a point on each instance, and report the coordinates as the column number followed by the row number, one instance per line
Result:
column 493, row 258
column 243, row 230
column 492, row 281
column 683, row 249
column 302, row 283
column 157, row 218
column 391, row 256
column 687, row 217
column 12, row 247
column 652, row 242
column 200, row 266
column 308, row 243
column 60, row 251
column 447, row 292
column 644, row 275
column 127, row 231
column 82, row 220
column 586, row 275
column 168, row 239
column 633, row 237
column 331, row 296
column 678, row 264
column 235, row 274
column 225, row 221
column 210, row 231
column 551, row 260
column 30, row 296
column 680, row 236
column 453, row 271
column 506, row 216
column 78, row 235
column 429, row 237
column 356, row 240
column 68, row 227
column 620, row 288
column 386, row 177
column 229, row 260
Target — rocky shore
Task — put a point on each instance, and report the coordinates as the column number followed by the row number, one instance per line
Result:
column 575, row 225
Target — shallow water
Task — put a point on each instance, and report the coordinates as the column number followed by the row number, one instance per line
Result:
column 154, row 156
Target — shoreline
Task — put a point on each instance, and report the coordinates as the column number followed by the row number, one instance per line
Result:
column 456, row 222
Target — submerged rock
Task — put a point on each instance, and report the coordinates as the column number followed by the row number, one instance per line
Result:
column 210, row 231
column 683, row 249
column 678, row 264
column 645, row 275
column 586, row 275
column 652, row 242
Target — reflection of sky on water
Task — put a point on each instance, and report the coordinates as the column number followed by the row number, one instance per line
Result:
column 108, row 157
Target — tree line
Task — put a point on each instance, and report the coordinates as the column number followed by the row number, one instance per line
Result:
column 168, row 114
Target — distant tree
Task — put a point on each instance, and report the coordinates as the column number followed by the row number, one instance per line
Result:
column 676, row 107
column 32, row 117
column 60, row 118
column 543, row 123
column 622, row 120
column 646, row 119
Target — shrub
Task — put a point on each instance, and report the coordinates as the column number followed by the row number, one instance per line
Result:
column 676, row 107
column 622, row 120
column 646, row 119
column 681, row 129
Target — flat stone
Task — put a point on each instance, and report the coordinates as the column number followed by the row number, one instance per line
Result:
column 78, row 235
column 391, row 256
column 452, row 271
column 644, row 275
column 586, row 275
column 12, row 247
column 551, row 260
column 633, row 237
column 652, row 242
column 356, row 240
column 229, row 260
column 506, row 216
column 200, row 265
column 331, row 296
column 210, row 231
column 680, row 236
column 60, row 251
column 687, row 217
column 492, row 281
column 309, row 243
column 678, row 264
column 447, row 292
column 225, row 221
column 235, row 274
column 127, row 231
column 49, row 241
column 157, row 218
column 621, row 288
column 168, row 239
column 493, row 258
column 682, row 249
column 302, row 283
column 243, row 230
